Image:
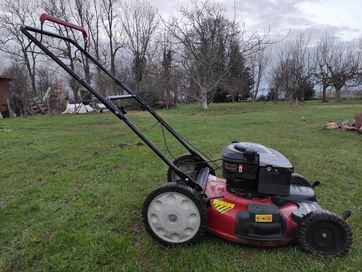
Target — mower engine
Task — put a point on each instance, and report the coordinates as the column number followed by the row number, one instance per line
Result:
column 254, row 168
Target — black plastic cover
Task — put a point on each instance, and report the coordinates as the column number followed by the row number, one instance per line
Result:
column 236, row 153
column 253, row 168
column 304, row 209
column 248, row 228
column 274, row 180
column 300, row 193
column 240, row 167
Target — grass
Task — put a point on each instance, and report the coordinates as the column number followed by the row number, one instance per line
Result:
column 70, row 196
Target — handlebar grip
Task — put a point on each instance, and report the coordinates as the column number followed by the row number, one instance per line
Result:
column 45, row 17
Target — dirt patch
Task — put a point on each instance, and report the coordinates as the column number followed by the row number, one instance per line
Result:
column 136, row 223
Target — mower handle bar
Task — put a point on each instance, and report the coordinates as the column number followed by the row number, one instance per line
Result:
column 107, row 101
column 46, row 17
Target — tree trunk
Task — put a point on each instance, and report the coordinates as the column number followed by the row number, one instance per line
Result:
column 33, row 84
column 175, row 95
column 257, row 85
column 31, row 75
column 204, row 99
column 112, row 90
column 338, row 94
column 74, row 85
column 87, row 72
column 99, row 79
column 324, row 93
column 204, row 104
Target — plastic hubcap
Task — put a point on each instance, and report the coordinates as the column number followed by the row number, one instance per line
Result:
column 173, row 217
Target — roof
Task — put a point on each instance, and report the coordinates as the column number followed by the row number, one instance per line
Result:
column 5, row 78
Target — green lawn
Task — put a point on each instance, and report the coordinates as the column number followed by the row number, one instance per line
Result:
column 70, row 196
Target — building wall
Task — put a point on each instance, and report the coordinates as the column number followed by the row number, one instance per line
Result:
column 4, row 94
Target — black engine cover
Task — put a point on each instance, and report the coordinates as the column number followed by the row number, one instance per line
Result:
column 254, row 168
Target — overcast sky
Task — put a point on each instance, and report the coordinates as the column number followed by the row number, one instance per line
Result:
column 337, row 17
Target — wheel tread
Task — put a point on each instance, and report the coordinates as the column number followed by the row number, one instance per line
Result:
column 313, row 217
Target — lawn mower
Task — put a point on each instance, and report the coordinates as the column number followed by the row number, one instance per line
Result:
column 259, row 201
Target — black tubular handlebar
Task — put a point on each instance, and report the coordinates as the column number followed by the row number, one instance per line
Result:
column 26, row 29
column 107, row 102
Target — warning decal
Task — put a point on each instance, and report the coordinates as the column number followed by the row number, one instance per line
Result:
column 222, row 206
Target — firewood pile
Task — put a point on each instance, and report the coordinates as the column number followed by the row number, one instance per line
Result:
column 355, row 125
column 36, row 106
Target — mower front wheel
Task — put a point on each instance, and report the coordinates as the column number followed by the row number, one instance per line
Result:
column 175, row 214
column 325, row 234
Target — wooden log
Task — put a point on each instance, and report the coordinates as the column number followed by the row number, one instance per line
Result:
column 11, row 112
column 332, row 125
column 358, row 119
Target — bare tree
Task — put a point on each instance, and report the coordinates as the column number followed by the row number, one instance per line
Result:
column 344, row 64
column 258, row 62
column 93, row 21
column 358, row 78
column 292, row 72
column 81, row 14
column 61, row 9
column 139, row 20
column 322, row 56
column 112, row 26
column 201, row 32
column 274, row 82
column 167, row 82
column 12, row 41
column 94, row 16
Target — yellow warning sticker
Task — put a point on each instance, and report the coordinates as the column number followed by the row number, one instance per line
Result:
column 222, row 206
column 264, row 218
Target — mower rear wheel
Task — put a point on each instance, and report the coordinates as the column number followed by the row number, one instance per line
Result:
column 189, row 164
column 175, row 214
column 325, row 234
